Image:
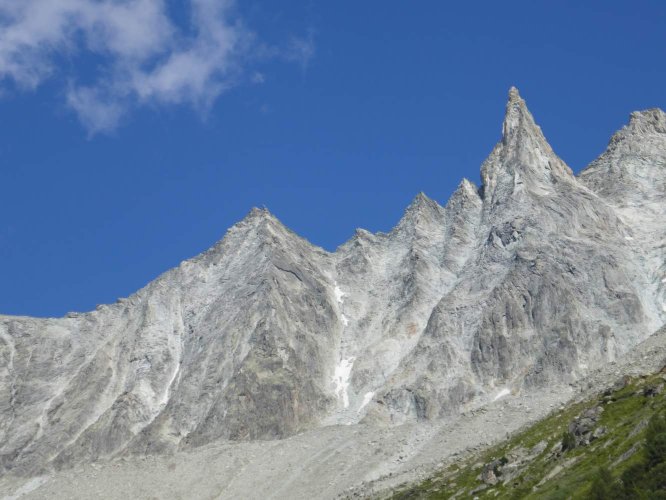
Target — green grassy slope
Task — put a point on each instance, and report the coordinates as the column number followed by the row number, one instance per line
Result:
column 534, row 464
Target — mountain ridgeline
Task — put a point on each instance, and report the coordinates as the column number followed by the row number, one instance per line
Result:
column 531, row 280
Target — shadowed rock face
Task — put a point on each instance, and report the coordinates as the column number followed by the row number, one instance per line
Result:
column 530, row 280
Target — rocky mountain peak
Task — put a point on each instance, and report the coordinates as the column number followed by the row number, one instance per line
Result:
column 422, row 203
column 259, row 235
column 522, row 160
column 518, row 123
column 643, row 126
column 260, row 220
column 643, row 129
column 258, row 224
column 465, row 196
column 421, row 210
column 632, row 170
column 648, row 121
column 466, row 190
column 258, row 215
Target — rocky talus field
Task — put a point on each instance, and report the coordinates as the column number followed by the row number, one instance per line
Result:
column 267, row 367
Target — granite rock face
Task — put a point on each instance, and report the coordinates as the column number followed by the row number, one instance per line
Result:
column 530, row 280
column 555, row 284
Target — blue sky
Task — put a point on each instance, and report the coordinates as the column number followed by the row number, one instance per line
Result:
column 134, row 134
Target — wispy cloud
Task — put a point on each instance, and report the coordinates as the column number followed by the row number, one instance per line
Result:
column 145, row 57
column 301, row 50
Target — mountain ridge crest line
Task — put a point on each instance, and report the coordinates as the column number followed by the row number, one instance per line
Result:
column 530, row 280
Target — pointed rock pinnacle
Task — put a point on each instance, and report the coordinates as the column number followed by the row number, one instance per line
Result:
column 523, row 158
column 518, row 122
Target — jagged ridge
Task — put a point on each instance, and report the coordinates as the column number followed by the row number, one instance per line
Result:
column 531, row 280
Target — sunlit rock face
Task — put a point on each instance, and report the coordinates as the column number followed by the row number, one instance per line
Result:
column 529, row 280
column 631, row 177
column 555, row 284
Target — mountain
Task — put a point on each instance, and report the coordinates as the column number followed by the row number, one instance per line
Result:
column 554, row 285
column 529, row 281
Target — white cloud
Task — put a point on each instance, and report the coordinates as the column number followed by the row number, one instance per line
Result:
column 258, row 78
column 142, row 56
column 96, row 113
column 301, row 50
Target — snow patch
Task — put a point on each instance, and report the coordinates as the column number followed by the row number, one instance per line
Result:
column 338, row 297
column 338, row 293
column 28, row 487
column 341, row 380
column 663, row 280
column 366, row 399
column 167, row 390
column 502, row 393
column 628, row 238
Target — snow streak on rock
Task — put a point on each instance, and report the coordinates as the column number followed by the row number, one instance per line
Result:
column 501, row 394
column 341, row 380
column 366, row 399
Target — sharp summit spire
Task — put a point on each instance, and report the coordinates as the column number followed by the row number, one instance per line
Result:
column 522, row 158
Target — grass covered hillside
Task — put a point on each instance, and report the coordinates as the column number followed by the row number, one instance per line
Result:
column 611, row 446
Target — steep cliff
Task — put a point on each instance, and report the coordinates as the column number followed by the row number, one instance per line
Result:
column 530, row 280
